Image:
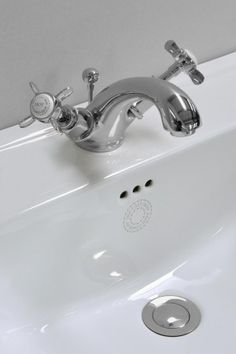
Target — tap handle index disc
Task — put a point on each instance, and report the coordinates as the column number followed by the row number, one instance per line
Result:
column 44, row 106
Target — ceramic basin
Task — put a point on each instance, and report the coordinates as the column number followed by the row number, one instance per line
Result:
column 78, row 262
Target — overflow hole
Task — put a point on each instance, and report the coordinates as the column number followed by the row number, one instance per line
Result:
column 136, row 189
column 124, row 195
column 149, row 183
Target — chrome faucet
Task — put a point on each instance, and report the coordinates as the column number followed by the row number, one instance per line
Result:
column 101, row 126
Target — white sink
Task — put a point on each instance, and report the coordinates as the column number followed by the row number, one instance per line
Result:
column 78, row 263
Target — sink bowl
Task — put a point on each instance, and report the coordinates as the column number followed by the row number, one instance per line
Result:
column 88, row 239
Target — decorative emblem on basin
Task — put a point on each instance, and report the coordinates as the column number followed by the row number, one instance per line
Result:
column 137, row 215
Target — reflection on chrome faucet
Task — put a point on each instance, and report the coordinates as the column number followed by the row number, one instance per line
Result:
column 102, row 125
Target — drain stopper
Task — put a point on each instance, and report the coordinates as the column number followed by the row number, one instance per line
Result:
column 171, row 316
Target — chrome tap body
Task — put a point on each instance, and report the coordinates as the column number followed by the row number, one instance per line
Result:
column 102, row 125
column 111, row 113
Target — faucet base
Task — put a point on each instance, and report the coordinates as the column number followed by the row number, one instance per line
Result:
column 92, row 146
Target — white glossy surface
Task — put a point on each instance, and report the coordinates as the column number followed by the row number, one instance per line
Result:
column 74, row 280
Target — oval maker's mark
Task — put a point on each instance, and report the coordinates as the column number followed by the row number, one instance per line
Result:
column 137, row 215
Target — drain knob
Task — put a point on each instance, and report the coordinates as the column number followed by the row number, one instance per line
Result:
column 171, row 316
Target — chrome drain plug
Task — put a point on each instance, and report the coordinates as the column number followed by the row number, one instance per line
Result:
column 171, row 316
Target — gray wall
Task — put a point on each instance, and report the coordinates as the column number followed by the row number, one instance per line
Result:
column 52, row 41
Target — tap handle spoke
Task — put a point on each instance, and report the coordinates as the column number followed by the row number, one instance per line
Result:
column 34, row 87
column 185, row 61
column 63, row 94
column 172, row 48
column 45, row 107
column 26, row 122
column 196, row 76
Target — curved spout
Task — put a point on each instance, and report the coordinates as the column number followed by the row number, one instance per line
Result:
column 178, row 112
column 110, row 108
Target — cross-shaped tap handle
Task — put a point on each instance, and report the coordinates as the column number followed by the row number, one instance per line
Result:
column 184, row 61
column 45, row 107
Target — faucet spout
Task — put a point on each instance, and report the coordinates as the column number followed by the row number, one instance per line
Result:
column 111, row 106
